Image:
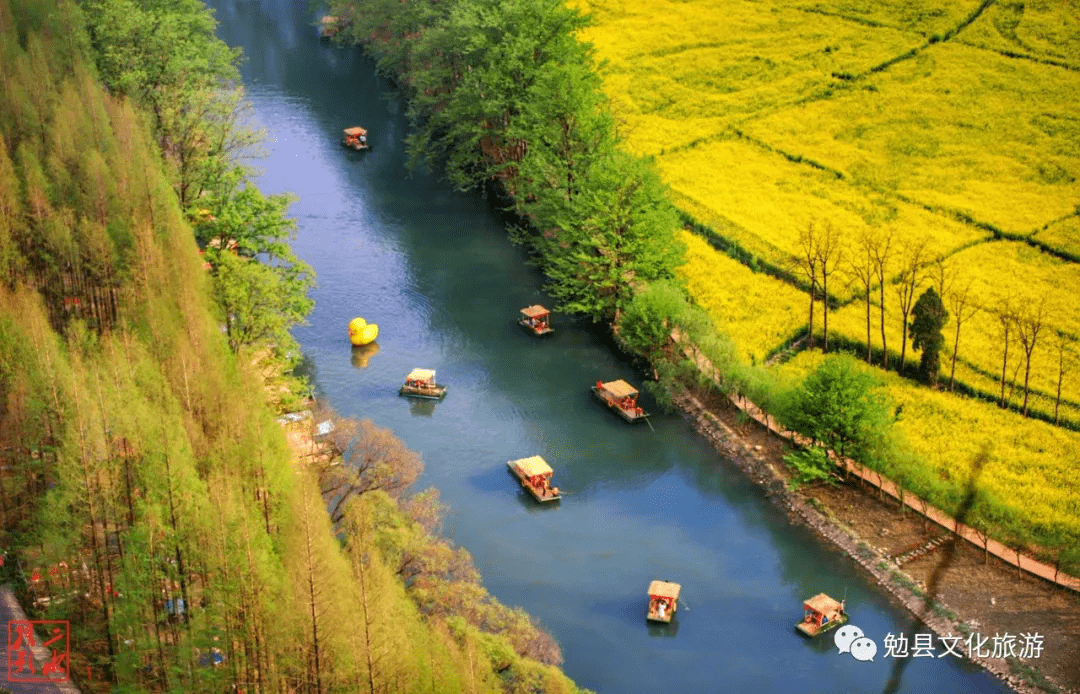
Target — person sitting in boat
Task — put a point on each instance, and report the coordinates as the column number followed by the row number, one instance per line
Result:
column 363, row 139
column 660, row 608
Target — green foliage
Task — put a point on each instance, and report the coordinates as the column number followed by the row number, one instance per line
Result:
column 928, row 317
column 261, row 298
column 650, row 317
column 482, row 61
column 810, row 465
column 843, row 407
column 616, row 237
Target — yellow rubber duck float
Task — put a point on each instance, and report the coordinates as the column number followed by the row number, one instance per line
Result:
column 361, row 332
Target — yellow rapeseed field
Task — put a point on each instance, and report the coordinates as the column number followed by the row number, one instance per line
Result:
column 1063, row 235
column 766, row 201
column 955, row 127
column 897, row 115
column 759, row 312
column 1024, row 472
column 1041, row 29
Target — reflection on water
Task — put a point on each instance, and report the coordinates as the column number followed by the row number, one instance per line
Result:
column 529, row 503
column 660, row 630
column 362, row 355
column 422, row 407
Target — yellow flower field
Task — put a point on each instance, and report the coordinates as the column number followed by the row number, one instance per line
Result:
column 757, row 311
column 924, row 16
column 1046, row 30
column 767, row 200
column 956, row 127
column 680, row 71
column 1063, row 235
column 1031, row 275
column 1025, row 472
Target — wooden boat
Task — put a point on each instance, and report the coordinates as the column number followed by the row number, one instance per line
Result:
column 621, row 397
column 356, row 138
column 420, row 383
column 536, row 320
column 663, row 601
column 822, row 613
column 535, row 476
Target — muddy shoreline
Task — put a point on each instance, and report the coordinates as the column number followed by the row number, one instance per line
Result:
column 758, row 454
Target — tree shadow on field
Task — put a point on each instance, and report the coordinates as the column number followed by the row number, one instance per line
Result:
column 892, row 685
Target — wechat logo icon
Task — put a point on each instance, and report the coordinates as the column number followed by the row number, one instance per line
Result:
column 850, row 639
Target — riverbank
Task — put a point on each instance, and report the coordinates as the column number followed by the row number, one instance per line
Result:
column 970, row 597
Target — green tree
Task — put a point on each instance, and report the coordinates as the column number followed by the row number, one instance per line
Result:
column 260, row 302
column 843, row 407
column 928, row 317
column 483, row 61
column 619, row 235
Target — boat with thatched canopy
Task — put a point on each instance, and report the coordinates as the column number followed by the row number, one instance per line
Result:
column 535, row 476
column 663, row 600
column 356, row 138
column 821, row 614
column 536, row 319
column 420, row 383
column 621, row 397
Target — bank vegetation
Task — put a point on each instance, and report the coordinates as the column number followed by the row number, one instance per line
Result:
column 147, row 493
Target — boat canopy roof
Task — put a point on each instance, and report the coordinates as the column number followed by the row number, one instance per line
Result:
column 620, row 388
column 822, row 604
column 355, row 131
column 534, row 311
column 663, row 589
column 421, row 375
column 532, row 467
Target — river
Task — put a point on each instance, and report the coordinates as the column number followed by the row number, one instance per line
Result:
column 435, row 270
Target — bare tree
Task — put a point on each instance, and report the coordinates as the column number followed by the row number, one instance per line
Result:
column 860, row 270
column 362, row 457
column 807, row 264
column 1006, row 316
column 912, row 275
column 830, row 255
column 882, row 251
column 962, row 306
column 1066, row 360
column 1029, row 322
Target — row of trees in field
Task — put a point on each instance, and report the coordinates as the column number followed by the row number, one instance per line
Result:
column 146, row 493
column 503, row 92
column 928, row 291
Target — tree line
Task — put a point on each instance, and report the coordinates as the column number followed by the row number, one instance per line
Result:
column 147, row 494
column 928, row 291
column 503, row 93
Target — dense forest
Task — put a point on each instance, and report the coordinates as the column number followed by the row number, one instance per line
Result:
column 507, row 98
column 147, row 493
